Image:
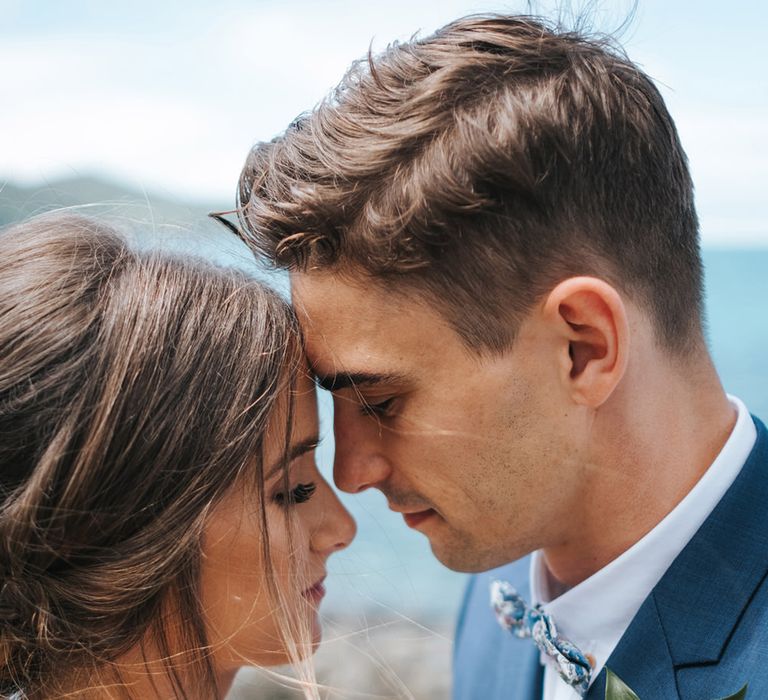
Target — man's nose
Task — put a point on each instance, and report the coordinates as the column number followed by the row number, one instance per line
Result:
column 360, row 462
column 337, row 527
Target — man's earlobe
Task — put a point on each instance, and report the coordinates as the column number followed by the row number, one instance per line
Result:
column 590, row 318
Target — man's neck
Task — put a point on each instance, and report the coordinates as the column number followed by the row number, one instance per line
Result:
column 650, row 446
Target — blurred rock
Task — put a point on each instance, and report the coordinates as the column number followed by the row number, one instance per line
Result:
column 372, row 659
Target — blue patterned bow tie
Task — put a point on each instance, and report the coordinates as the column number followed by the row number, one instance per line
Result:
column 516, row 616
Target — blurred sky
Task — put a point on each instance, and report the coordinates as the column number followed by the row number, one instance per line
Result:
column 170, row 95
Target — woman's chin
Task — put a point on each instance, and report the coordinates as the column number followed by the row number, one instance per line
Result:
column 242, row 653
column 317, row 634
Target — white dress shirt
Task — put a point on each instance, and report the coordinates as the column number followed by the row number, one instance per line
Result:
column 595, row 614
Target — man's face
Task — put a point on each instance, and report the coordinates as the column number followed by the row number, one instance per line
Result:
column 470, row 449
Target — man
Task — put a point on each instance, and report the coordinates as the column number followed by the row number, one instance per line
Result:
column 494, row 256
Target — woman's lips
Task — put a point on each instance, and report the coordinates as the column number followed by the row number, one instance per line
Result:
column 415, row 519
column 316, row 592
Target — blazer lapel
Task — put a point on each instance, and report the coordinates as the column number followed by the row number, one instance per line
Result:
column 641, row 659
column 693, row 610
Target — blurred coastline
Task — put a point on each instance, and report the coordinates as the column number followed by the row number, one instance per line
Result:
column 369, row 659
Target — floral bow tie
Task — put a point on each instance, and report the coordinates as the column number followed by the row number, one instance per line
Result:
column 515, row 615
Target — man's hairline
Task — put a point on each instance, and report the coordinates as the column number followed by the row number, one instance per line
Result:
column 358, row 277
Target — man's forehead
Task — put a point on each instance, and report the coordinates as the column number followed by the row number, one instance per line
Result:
column 351, row 328
column 337, row 367
column 338, row 312
column 339, row 301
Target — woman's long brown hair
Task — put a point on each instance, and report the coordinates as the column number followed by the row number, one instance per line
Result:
column 135, row 389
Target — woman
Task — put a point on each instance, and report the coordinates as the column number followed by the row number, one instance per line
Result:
column 163, row 521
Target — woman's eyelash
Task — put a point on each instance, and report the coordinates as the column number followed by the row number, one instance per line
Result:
column 380, row 409
column 300, row 494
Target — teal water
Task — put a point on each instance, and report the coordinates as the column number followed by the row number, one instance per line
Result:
column 390, row 569
column 737, row 308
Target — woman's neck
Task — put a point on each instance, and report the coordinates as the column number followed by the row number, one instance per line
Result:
column 141, row 676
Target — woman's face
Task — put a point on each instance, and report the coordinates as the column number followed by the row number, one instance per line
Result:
column 243, row 622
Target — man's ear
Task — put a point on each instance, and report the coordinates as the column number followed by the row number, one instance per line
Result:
column 590, row 321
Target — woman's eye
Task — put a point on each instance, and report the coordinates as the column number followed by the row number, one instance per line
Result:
column 381, row 409
column 300, row 494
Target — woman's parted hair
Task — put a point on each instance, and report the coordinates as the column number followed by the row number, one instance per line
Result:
column 135, row 389
column 481, row 165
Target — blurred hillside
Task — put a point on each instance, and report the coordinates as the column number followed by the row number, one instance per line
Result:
column 104, row 196
column 147, row 218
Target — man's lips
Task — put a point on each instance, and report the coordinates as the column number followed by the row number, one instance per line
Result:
column 411, row 515
column 316, row 592
column 416, row 518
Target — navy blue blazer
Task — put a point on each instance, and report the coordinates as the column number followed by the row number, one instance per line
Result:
column 701, row 634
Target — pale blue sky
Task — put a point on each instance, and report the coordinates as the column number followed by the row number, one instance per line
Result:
column 170, row 95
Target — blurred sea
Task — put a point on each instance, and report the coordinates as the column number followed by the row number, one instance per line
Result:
column 389, row 569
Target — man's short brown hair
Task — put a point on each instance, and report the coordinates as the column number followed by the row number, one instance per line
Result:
column 478, row 167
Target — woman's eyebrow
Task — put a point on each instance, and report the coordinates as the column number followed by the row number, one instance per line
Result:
column 294, row 452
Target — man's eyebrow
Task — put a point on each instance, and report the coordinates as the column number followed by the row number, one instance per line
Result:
column 346, row 380
column 294, row 452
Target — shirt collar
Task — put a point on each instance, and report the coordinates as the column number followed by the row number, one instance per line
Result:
column 595, row 614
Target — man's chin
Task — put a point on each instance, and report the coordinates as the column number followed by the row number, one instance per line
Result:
column 458, row 554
